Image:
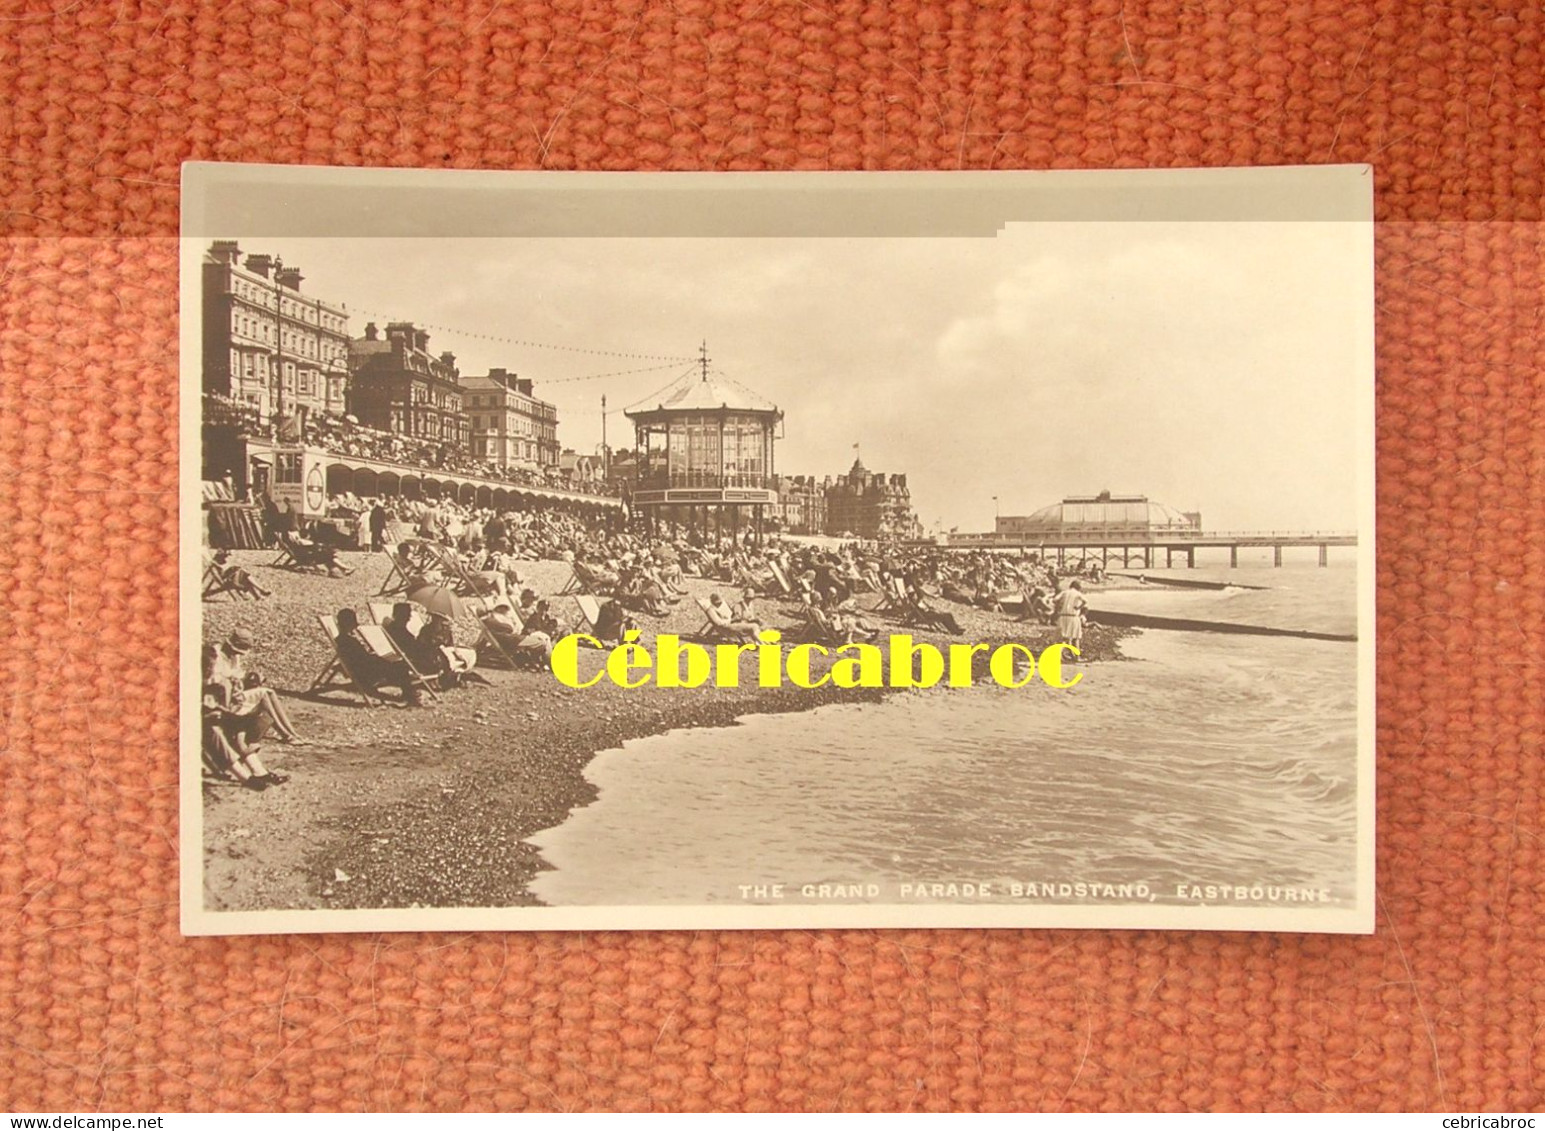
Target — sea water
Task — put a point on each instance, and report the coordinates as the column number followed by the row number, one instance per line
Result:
column 1207, row 759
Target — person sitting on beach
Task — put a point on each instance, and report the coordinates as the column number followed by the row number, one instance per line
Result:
column 453, row 662
column 234, row 751
column 1037, row 605
column 670, row 570
column 746, row 610
column 517, row 640
column 238, row 712
column 399, row 629
column 926, row 616
column 309, row 552
column 236, row 579
column 953, row 591
column 746, row 629
column 637, row 592
column 241, row 692
column 375, row 671
column 651, row 575
column 612, row 621
column 1070, row 605
column 848, row 619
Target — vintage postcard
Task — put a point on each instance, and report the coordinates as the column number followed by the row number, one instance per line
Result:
column 636, row 551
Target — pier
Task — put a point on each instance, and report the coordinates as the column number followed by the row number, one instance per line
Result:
column 1129, row 549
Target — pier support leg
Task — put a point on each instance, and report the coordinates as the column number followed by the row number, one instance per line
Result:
column 1276, row 556
column 1105, row 557
column 1190, row 557
column 1324, row 555
column 1233, row 557
column 1147, row 557
column 1169, row 557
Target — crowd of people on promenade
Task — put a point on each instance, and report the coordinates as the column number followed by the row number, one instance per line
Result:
column 470, row 562
column 345, row 436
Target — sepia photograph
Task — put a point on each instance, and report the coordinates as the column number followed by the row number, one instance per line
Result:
column 658, row 551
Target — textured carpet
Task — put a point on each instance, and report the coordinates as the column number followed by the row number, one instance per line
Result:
column 104, row 1005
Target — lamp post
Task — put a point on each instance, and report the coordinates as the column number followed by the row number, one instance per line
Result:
column 282, row 409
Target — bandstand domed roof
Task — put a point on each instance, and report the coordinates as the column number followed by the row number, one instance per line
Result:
column 708, row 393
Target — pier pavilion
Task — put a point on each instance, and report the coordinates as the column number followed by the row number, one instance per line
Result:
column 1132, row 531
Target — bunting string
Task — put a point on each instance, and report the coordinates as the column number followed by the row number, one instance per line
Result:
column 672, row 359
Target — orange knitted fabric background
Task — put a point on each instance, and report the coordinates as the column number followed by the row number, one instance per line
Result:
column 103, row 1005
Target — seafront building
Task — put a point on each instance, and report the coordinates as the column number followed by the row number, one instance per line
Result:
column 802, row 504
column 397, row 385
column 873, row 505
column 509, row 425
column 266, row 345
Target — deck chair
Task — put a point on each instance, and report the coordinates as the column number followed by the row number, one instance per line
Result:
column 818, row 628
column 585, row 580
column 386, row 649
column 717, row 627
column 589, row 611
column 780, row 578
column 872, row 579
column 335, row 673
column 294, row 554
column 458, row 576
column 893, row 596
column 218, row 579
column 501, row 654
column 400, row 578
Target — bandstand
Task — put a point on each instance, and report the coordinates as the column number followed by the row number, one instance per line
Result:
column 706, row 458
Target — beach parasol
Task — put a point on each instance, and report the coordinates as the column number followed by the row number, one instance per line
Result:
column 441, row 599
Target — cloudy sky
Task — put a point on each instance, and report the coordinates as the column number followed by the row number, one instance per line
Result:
column 1212, row 366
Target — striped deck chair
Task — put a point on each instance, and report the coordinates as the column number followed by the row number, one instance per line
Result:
column 335, row 673
column 780, row 579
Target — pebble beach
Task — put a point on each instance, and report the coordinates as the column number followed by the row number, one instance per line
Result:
column 389, row 807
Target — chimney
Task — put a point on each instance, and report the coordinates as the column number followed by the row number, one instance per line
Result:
column 497, row 375
column 421, row 340
column 259, row 264
column 288, row 277
column 224, row 251
column 448, row 359
column 523, row 385
column 371, row 332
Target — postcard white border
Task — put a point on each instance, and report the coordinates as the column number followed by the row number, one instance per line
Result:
column 1311, row 192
